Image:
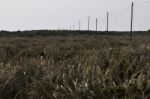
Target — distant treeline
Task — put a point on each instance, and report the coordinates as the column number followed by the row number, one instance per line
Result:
column 67, row 32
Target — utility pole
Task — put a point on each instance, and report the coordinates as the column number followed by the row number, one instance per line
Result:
column 131, row 20
column 96, row 23
column 107, row 24
column 89, row 23
column 73, row 27
column 79, row 25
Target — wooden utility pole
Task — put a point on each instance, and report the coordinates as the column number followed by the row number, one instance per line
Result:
column 73, row 27
column 107, row 23
column 79, row 25
column 89, row 23
column 131, row 20
column 96, row 23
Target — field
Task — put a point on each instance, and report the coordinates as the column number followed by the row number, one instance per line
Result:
column 74, row 67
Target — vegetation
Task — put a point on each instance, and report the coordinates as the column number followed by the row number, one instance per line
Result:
column 74, row 66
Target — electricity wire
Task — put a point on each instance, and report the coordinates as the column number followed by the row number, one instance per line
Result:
column 121, row 12
column 102, row 19
column 144, row 6
column 143, row 3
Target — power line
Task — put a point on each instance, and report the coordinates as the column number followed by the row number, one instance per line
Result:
column 102, row 19
column 146, row 2
column 144, row 6
column 117, row 13
column 120, row 12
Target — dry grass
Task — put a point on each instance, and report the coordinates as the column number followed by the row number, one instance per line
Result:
column 77, row 67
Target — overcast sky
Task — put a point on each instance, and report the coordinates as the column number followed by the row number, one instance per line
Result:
column 53, row 14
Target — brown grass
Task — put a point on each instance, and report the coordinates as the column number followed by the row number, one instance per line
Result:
column 77, row 67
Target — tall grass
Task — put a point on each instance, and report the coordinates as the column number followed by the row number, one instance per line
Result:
column 78, row 67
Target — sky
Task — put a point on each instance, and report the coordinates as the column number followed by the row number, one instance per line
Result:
column 63, row 14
